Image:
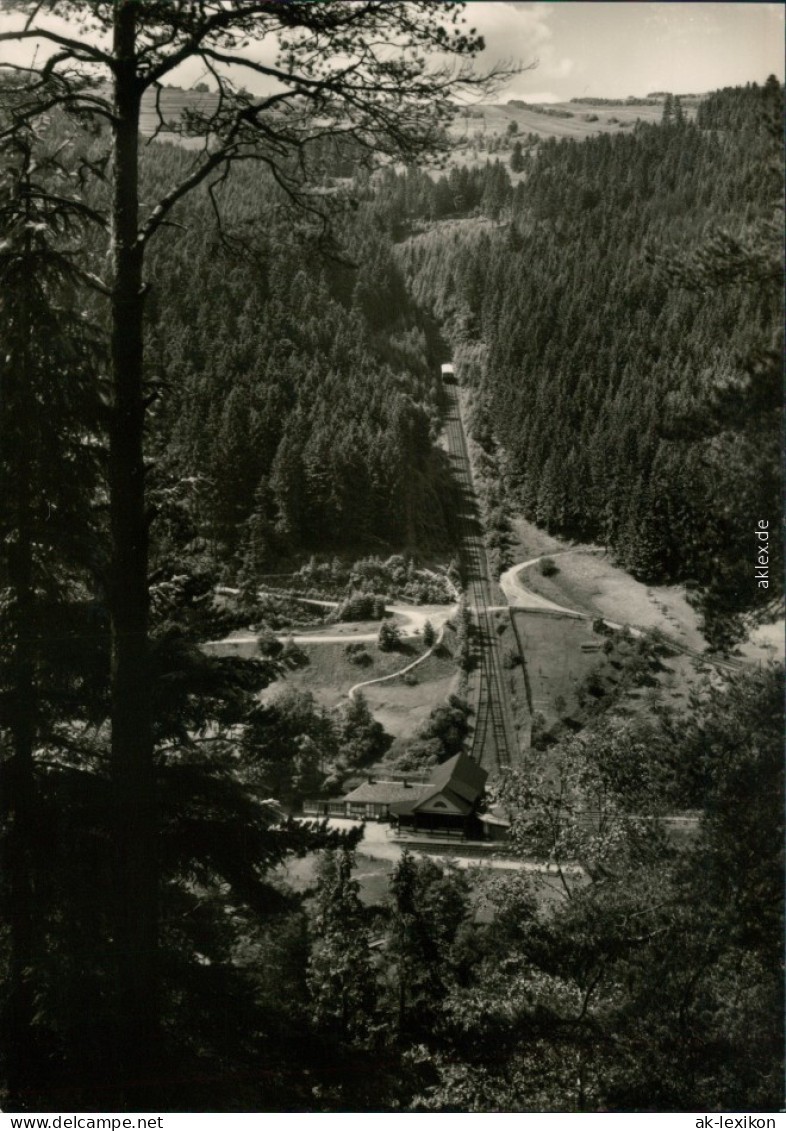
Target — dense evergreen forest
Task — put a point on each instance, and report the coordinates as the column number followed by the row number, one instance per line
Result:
column 301, row 399
column 292, row 405
column 622, row 325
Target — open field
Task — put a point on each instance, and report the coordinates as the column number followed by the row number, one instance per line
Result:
column 569, row 673
column 586, row 120
column 591, row 584
column 330, row 673
column 171, row 104
column 554, row 662
column 476, row 133
column 402, row 707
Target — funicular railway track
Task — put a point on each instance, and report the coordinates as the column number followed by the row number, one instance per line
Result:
column 494, row 744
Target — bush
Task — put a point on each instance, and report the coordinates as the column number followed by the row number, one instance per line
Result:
column 429, row 635
column 293, row 655
column 357, row 654
column 444, row 732
column 511, row 659
column 463, row 651
column 599, row 625
column 267, row 643
column 389, row 637
column 360, row 606
column 539, row 733
column 548, row 567
column 594, row 685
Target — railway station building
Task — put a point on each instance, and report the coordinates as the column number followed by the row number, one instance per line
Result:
column 449, row 803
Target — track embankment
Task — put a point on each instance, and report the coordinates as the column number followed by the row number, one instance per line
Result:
column 494, row 743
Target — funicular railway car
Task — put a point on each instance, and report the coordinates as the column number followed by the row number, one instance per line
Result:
column 448, row 374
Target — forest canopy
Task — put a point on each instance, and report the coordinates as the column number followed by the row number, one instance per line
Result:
column 630, row 312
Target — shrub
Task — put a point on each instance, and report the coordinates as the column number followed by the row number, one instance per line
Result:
column 548, row 567
column 293, row 655
column 389, row 637
column 360, row 606
column 268, row 644
column 429, row 635
column 594, row 685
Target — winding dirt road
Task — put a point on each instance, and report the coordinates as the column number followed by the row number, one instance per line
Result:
column 410, row 620
column 518, row 596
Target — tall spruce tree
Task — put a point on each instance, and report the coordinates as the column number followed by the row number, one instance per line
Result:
column 48, row 421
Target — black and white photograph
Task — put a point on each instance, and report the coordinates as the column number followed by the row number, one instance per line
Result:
column 391, row 560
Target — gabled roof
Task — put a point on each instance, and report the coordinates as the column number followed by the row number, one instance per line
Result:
column 460, row 780
column 460, row 776
column 430, row 803
column 385, row 792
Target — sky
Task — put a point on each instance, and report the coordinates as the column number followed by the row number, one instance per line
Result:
column 613, row 50
column 606, row 49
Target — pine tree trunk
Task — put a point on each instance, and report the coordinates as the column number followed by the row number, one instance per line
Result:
column 136, row 924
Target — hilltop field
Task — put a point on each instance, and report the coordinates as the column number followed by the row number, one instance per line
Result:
column 560, row 119
column 477, row 131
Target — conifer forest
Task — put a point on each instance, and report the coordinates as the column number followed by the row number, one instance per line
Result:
column 317, row 396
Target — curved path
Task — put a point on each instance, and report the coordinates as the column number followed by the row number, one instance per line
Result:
column 410, row 619
column 520, row 597
column 401, row 671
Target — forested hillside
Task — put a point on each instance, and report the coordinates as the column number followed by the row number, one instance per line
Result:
column 300, row 398
column 628, row 311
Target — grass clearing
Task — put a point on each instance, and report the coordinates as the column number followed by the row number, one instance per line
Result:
column 330, row 672
column 767, row 642
column 400, row 704
column 573, row 673
column 513, row 674
column 580, row 120
column 591, row 584
column 554, row 663
column 402, row 707
column 529, row 541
